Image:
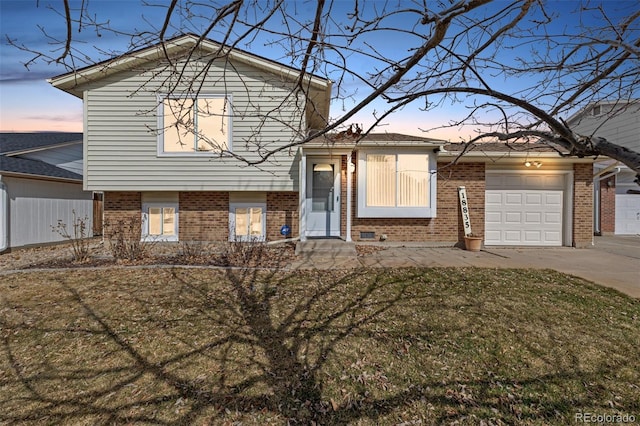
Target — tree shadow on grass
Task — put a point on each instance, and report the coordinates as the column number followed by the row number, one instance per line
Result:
column 246, row 344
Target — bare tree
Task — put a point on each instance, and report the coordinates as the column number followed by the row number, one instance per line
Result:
column 520, row 67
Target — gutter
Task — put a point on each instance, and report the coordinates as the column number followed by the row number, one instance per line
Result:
column 4, row 217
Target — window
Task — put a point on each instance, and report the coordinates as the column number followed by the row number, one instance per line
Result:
column 247, row 221
column 396, row 184
column 195, row 125
column 160, row 216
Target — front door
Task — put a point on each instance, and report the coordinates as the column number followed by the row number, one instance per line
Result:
column 323, row 197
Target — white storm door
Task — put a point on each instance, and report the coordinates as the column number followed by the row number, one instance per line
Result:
column 323, row 197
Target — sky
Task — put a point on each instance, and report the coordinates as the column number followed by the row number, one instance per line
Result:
column 29, row 103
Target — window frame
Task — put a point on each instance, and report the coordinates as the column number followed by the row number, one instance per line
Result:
column 396, row 211
column 145, row 221
column 195, row 153
column 232, row 221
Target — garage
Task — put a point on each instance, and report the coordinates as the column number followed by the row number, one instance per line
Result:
column 627, row 209
column 525, row 209
column 628, row 214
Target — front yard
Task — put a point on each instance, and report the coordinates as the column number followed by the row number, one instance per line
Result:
column 405, row 346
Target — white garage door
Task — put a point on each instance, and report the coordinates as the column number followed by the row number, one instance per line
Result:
column 627, row 214
column 524, row 209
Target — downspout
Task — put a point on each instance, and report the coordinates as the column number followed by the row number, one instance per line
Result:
column 603, row 174
column 4, row 217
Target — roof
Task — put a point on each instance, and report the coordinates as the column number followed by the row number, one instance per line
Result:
column 348, row 139
column 180, row 44
column 501, row 147
column 35, row 168
column 15, row 143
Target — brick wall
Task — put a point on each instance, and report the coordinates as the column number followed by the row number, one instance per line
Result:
column 204, row 216
column 447, row 226
column 282, row 209
column 582, row 205
column 608, row 205
column 122, row 209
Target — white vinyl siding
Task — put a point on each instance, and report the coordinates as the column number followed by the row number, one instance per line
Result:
column 122, row 137
column 37, row 205
column 396, row 185
column 622, row 129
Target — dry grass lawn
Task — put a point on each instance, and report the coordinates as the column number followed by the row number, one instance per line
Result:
column 405, row 346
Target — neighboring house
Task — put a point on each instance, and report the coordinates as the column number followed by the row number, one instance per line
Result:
column 40, row 184
column 617, row 196
column 154, row 168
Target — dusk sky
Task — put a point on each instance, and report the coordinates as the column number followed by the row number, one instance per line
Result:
column 29, row 103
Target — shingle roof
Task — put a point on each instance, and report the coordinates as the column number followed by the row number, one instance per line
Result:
column 505, row 147
column 344, row 138
column 34, row 168
column 12, row 142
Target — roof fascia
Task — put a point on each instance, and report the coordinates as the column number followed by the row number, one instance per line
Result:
column 40, row 177
column 69, row 81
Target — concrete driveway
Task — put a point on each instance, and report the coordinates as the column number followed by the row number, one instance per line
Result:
column 613, row 261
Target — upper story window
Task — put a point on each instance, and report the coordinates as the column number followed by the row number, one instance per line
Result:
column 194, row 125
column 396, row 184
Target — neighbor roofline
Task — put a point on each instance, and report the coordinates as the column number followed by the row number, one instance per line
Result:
column 39, row 177
column 41, row 148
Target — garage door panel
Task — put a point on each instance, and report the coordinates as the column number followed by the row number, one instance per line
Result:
column 533, row 198
column 553, row 218
column 513, row 218
column 513, row 199
column 528, row 211
column 553, row 198
column 512, row 236
column 532, row 237
column 553, row 236
column 533, row 218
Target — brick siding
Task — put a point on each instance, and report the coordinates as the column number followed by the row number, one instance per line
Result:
column 122, row 209
column 608, row 205
column 582, row 205
column 204, row 216
column 282, row 209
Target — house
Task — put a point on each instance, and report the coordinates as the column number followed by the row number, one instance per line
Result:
column 40, row 184
column 616, row 196
column 168, row 129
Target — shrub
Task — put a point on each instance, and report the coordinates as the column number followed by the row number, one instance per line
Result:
column 125, row 241
column 78, row 237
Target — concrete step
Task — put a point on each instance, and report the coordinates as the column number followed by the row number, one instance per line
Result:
column 326, row 248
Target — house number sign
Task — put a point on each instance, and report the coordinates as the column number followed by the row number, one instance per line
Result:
column 464, row 208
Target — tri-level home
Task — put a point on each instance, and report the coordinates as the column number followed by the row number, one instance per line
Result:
column 617, row 195
column 169, row 131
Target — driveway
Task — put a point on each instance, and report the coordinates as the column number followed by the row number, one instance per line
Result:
column 613, row 261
